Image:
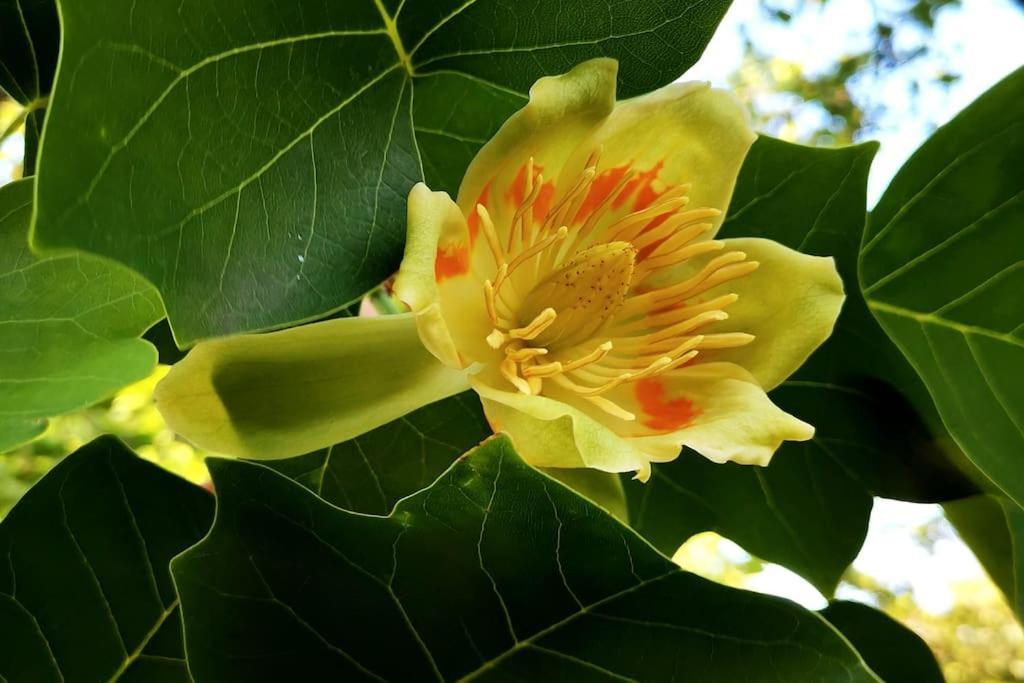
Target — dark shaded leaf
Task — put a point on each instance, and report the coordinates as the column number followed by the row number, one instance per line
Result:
column 893, row 651
column 85, row 591
column 255, row 157
column 29, row 42
column 495, row 572
column 852, row 388
column 803, row 511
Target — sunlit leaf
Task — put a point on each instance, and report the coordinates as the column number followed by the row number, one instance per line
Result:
column 495, row 572
column 69, row 325
column 893, row 651
column 85, row 591
column 942, row 268
column 252, row 158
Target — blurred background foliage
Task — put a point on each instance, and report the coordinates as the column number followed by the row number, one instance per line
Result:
column 847, row 98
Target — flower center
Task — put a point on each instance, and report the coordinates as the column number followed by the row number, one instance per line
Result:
column 571, row 301
column 586, row 291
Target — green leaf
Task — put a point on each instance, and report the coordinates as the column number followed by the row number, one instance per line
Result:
column 15, row 431
column 893, row 651
column 993, row 527
column 254, row 159
column 85, row 591
column 374, row 471
column 852, row 389
column 803, row 511
column 28, row 59
column 495, row 572
column 69, row 325
column 943, row 270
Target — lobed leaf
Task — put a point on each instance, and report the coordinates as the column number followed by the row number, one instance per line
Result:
column 85, row 590
column 494, row 572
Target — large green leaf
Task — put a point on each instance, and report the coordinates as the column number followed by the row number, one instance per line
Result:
column 85, row 590
column 893, row 651
column 495, row 572
column 993, row 527
column 252, row 157
column 804, row 511
column 69, row 326
column 942, row 267
column 29, row 42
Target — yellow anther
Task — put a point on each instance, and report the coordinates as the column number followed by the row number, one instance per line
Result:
column 545, row 370
column 536, row 326
column 613, row 409
column 496, row 339
column 526, row 353
column 487, row 227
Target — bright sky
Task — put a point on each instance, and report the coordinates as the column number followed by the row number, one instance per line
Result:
column 983, row 41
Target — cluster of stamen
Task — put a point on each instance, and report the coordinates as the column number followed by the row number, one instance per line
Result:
column 574, row 299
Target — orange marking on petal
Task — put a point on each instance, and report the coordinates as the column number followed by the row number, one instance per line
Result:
column 516, row 192
column 543, row 203
column 600, row 188
column 451, row 261
column 473, row 220
column 641, row 186
column 667, row 415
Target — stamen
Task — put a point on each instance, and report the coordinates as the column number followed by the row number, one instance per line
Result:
column 523, row 216
column 629, row 227
column 683, row 327
column 538, row 325
column 525, row 354
column 671, row 233
column 491, row 234
column 642, row 360
column 726, row 340
column 686, row 253
column 599, row 210
column 537, row 248
column 613, row 409
column 545, row 370
column 591, row 391
column 508, row 371
column 492, row 311
column 593, row 357
column 579, row 189
column 496, row 339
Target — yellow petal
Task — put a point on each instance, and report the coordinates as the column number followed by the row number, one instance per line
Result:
column 684, row 133
column 790, row 304
column 286, row 393
column 436, row 282
column 550, row 433
column 562, row 112
column 717, row 409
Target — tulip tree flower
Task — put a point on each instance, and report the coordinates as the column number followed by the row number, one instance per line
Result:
column 575, row 284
